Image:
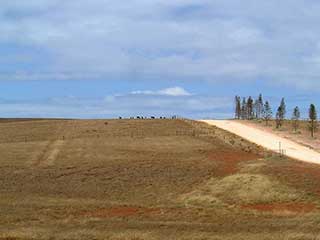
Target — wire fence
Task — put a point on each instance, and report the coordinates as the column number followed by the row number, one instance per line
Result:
column 279, row 152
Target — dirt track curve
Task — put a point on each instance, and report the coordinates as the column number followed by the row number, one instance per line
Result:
column 268, row 140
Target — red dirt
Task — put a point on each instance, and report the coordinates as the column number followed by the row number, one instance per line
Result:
column 282, row 207
column 228, row 161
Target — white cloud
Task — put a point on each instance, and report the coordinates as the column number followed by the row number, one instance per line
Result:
column 174, row 91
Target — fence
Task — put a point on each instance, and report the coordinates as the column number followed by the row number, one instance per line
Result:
column 281, row 152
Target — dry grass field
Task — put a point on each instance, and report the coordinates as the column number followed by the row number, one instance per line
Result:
column 149, row 179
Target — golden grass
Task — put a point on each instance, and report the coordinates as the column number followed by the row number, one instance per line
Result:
column 142, row 179
column 145, row 235
column 242, row 189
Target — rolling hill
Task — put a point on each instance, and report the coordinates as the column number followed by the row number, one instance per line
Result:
column 149, row 179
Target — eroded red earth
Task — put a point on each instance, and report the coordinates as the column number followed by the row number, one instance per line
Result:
column 282, row 207
column 228, row 161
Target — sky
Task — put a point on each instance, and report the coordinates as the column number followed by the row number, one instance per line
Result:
column 107, row 58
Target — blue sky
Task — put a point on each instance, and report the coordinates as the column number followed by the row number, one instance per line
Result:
column 104, row 58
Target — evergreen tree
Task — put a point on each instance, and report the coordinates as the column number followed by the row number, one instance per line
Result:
column 313, row 119
column 260, row 106
column 256, row 109
column 267, row 112
column 244, row 109
column 278, row 118
column 295, row 118
column 283, row 109
column 237, row 107
column 281, row 113
column 250, row 114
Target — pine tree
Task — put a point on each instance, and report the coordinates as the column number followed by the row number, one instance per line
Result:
column 256, row 109
column 250, row 108
column 281, row 113
column 267, row 112
column 313, row 119
column 283, row 108
column 260, row 106
column 237, row 107
column 295, row 118
column 278, row 118
column 244, row 109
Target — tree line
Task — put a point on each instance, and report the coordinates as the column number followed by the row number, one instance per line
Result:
column 248, row 108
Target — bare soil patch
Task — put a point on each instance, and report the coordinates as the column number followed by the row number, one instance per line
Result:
column 282, row 207
column 228, row 161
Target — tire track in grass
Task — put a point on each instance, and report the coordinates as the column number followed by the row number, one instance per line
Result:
column 52, row 150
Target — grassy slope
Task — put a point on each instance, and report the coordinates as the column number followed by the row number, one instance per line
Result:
column 148, row 179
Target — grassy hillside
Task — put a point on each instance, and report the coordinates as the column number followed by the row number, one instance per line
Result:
column 149, row 179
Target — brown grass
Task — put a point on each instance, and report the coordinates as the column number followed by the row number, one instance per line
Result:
column 148, row 179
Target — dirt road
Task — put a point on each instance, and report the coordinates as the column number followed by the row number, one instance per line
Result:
column 268, row 140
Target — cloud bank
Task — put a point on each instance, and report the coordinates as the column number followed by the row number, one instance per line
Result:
column 216, row 40
column 165, row 102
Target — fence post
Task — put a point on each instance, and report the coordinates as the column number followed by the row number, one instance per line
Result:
column 280, row 150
